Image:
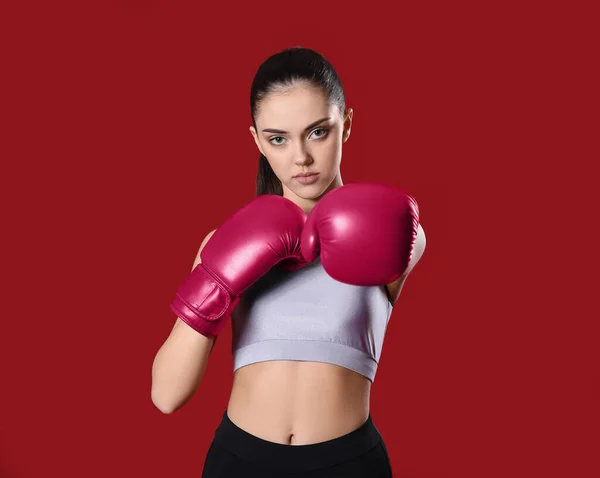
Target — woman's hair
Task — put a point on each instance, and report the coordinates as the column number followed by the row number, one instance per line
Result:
column 282, row 70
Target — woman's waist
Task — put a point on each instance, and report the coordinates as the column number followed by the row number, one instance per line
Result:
column 297, row 402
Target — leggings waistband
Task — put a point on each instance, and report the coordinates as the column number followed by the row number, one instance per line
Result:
column 277, row 456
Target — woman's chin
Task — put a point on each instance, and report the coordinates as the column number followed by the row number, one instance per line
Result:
column 311, row 192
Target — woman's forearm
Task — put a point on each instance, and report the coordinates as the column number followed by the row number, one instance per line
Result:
column 179, row 366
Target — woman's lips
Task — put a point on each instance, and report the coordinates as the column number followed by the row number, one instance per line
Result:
column 311, row 178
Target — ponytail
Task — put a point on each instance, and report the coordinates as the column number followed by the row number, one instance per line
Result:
column 266, row 180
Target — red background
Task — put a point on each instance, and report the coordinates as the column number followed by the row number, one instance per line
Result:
column 125, row 140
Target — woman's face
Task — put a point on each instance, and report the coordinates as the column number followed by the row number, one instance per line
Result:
column 299, row 131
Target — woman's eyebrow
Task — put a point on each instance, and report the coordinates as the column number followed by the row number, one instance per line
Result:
column 280, row 131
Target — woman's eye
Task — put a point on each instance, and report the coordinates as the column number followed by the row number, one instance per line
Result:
column 273, row 140
column 323, row 132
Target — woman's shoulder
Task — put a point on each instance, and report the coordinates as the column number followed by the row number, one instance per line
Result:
column 197, row 260
column 207, row 237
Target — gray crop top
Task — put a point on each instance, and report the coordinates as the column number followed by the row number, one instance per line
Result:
column 307, row 315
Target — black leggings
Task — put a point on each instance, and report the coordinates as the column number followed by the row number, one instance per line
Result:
column 235, row 453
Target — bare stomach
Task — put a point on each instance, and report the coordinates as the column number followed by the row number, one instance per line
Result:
column 298, row 403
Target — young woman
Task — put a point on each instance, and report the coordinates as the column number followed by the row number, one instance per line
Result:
column 309, row 272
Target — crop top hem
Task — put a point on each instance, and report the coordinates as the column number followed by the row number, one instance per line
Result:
column 307, row 350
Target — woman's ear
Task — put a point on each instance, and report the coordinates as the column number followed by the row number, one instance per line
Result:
column 255, row 136
column 347, row 124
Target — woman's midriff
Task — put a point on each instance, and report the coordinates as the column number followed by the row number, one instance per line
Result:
column 298, row 403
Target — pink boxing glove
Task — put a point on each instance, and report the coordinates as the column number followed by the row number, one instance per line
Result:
column 364, row 233
column 243, row 249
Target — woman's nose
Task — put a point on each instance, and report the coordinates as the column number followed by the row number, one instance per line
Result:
column 302, row 157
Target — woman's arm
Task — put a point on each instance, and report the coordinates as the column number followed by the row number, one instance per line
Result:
column 395, row 287
column 180, row 363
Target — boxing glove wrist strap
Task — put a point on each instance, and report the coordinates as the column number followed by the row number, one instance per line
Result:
column 203, row 303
